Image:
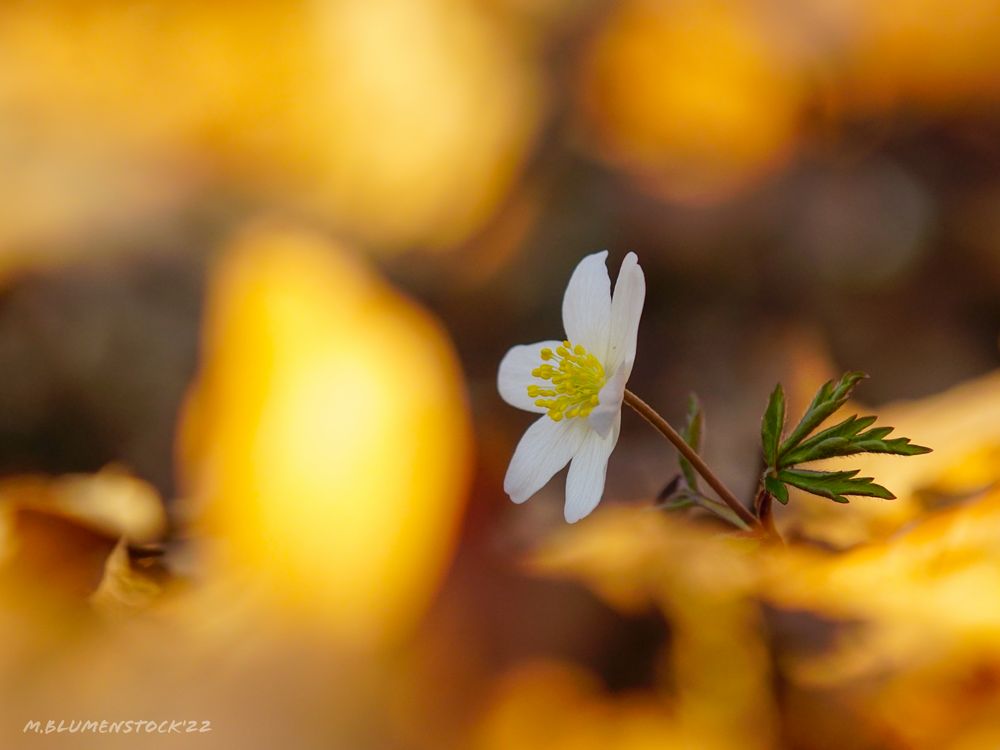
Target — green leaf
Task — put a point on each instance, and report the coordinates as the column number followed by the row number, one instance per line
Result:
column 674, row 497
column 827, row 400
column 692, row 434
column 772, row 424
column 846, row 429
column 723, row 511
column 846, row 439
column 777, row 489
column 834, row 484
column 677, row 503
column 897, row 446
column 689, row 499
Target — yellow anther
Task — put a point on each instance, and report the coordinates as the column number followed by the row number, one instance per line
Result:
column 577, row 377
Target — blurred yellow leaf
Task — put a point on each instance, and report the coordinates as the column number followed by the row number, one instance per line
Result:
column 403, row 123
column 56, row 532
column 931, row 53
column 921, row 656
column 123, row 589
column 702, row 583
column 552, row 706
column 962, row 425
column 626, row 555
column 111, row 502
column 424, row 113
column 327, row 437
column 691, row 96
column 926, row 578
column 52, row 559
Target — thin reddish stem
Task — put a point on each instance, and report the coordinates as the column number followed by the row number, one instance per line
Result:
column 650, row 415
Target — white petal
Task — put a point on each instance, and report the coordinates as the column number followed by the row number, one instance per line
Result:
column 544, row 449
column 514, row 375
column 609, row 401
column 626, row 309
column 585, row 483
column 587, row 305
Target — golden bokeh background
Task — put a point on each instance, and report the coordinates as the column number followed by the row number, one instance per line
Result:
column 259, row 262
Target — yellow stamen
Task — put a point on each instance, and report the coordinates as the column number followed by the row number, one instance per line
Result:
column 577, row 378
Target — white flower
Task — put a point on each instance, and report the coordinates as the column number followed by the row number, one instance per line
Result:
column 577, row 385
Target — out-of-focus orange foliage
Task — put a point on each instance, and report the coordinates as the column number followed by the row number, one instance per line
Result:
column 326, row 451
column 403, row 123
column 698, row 99
column 552, row 706
column 691, row 96
column 702, row 583
column 59, row 537
column 428, row 111
column 328, row 436
column 963, row 425
column 894, row 643
column 408, row 124
column 325, row 445
column 923, row 655
column 933, row 53
column 111, row 502
column 55, row 533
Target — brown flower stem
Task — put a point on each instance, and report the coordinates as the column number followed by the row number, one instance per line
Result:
column 762, row 507
column 649, row 414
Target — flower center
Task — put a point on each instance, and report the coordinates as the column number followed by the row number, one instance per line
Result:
column 576, row 377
